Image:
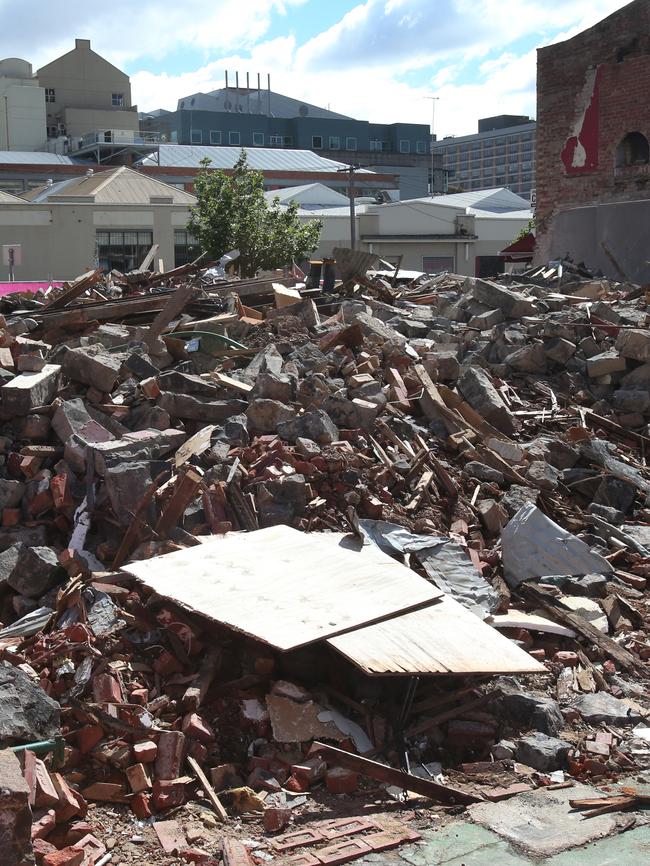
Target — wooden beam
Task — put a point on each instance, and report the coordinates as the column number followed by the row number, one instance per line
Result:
column 381, row 773
column 210, row 793
column 184, row 493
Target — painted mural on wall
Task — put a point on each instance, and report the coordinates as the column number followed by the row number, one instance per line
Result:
column 580, row 153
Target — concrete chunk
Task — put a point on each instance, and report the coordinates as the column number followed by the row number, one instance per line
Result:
column 604, row 364
column 30, row 571
column 29, row 390
column 140, row 445
column 513, row 305
column 475, row 386
column 265, row 415
column 93, row 365
column 634, row 344
column 15, row 813
column 27, row 714
column 197, row 409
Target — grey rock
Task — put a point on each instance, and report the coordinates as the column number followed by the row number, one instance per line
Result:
column 533, row 710
column 615, row 493
column 543, row 475
column 634, row 343
column 265, row 416
column 514, row 305
column 603, row 707
column 140, row 445
column 315, row 425
column 504, row 750
column 194, row 408
column 71, row 416
column 29, row 390
column 148, row 417
column 485, row 321
column 273, row 386
column 93, row 365
column 27, row 713
column 188, row 383
column 559, row 350
column 481, row 472
column 11, row 493
column 611, row 515
column 267, row 359
column 628, row 400
column 590, row 585
column 528, row 359
column 235, row 429
column 447, row 363
column 307, row 447
column 543, row 753
column 517, row 496
column 126, row 484
column 30, row 571
column 475, row 386
column 604, row 364
column 638, row 379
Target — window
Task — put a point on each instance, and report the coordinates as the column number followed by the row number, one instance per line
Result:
column 633, row 150
column 258, row 139
column 122, row 250
column 215, row 136
column 375, row 144
column 50, row 94
column 287, row 141
column 435, row 264
column 174, row 136
column 234, row 137
column 276, row 140
column 350, row 143
column 317, row 142
column 421, row 147
column 196, row 136
column 335, row 142
column 404, row 145
column 186, row 248
column 489, row 266
column 117, row 100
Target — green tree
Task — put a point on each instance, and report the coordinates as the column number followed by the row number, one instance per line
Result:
column 527, row 229
column 232, row 213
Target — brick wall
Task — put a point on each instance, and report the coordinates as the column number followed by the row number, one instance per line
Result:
column 591, row 91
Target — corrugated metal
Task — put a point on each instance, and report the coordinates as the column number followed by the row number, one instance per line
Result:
column 8, row 198
column 33, row 157
column 117, row 186
column 498, row 199
column 262, row 158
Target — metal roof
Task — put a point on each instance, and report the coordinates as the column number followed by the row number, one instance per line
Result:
column 34, row 157
column 495, row 200
column 308, row 196
column 115, row 186
column 261, row 158
column 8, row 198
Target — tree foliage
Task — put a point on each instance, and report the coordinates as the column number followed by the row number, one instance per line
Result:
column 527, row 229
column 232, row 213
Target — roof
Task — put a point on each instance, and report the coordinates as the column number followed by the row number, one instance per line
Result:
column 114, row 186
column 453, row 140
column 262, row 158
column 497, row 200
column 244, row 100
column 520, row 250
column 309, row 196
column 501, row 215
column 8, row 198
column 34, row 157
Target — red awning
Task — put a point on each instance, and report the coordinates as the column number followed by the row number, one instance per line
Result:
column 521, row 250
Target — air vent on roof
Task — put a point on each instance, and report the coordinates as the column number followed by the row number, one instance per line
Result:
column 303, row 111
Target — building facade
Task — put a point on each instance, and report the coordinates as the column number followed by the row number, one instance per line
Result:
column 593, row 166
column 108, row 218
column 22, row 107
column 501, row 153
column 85, row 94
column 252, row 118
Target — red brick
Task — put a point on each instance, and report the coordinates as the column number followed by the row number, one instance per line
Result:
column 140, row 806
column 302, row 860
column 41, row 848
column 64, row 857
column 145, row 753
column 170, row 835
column 235, row 853
column 297, row 839
column 276, row 819
column 171, row 750
column 43, row 826
column 88, row 737
column 138, row 778
column 92, row 847
column 195, row 726
column 107, row 690
column 343, row 852
column 168, row 793
column 340, row 827
column 568, row 659
column 384, row 840
column 497, row 794
column 71, row 803
column 338, row 780
column 11, row 516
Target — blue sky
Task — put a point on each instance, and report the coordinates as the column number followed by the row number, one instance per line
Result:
column 377, row 60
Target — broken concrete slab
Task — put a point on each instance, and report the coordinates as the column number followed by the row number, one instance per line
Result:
column 542, row 752
column 15, row 813
column 29, row 390
column 265, row 415
column 93, row 365
column 542, row 823
column 314, row 425
column 139, row 445
column 477, row 388
column 193, row 408
column 603, row 707
column 514, row 305
column 72, row 417
column 30, row 571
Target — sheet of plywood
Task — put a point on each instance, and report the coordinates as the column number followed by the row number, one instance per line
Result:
column 285, row 587
column 444, row 638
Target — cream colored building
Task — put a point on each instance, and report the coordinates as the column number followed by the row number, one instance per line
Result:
column 108, row 218
column 22, row 107
column 462, row 233
column 85, row 93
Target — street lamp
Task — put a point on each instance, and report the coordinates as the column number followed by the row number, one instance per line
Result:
column 433, row 99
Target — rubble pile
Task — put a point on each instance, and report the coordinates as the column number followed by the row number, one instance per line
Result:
column 490, row 433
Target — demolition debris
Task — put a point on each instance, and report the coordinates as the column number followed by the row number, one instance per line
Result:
column 269, row 552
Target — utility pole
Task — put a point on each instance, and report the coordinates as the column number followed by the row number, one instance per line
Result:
column 433, row 99
column 349, row 170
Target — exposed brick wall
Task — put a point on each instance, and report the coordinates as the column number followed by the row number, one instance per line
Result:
column 591, row 91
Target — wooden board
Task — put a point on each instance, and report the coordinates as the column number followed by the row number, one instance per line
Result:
column 444, row 638
column 285, row 587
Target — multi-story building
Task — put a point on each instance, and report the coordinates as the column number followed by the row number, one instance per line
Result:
column 86, row 96
column 255, row 117
column 500, row 154
column 22, row 107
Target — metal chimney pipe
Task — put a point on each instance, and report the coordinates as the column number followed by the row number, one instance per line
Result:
column 268, row 103
column 248, row 93
column 226, row 99
column 237, row 89
column 259, row 94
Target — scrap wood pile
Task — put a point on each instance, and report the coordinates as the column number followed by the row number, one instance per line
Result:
column 490, row 435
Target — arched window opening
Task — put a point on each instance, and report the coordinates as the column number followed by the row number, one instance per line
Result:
column 633, row 150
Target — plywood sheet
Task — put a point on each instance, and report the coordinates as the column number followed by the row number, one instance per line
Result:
column 285, row 587
column 444, row 638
